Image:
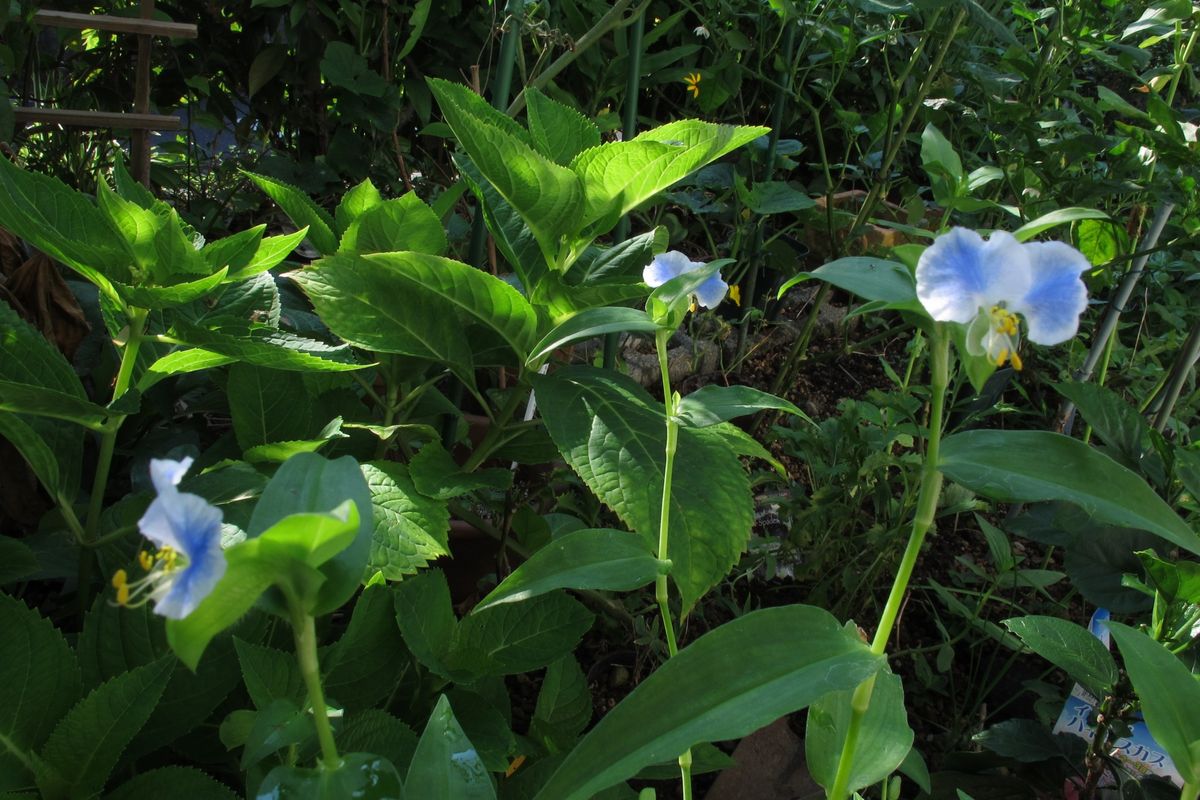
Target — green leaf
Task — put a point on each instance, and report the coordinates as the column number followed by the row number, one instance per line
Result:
column 364, row 776
column 711, row 510
column 270, row 253
column 619, row 176
column 362, row 668
column 345, row 67
column 308, row 483
column 85, row 746
column 1175, row 580
column 548, row 197
column 153, row 239
column 62, row 223
column 39, row 682
column 1027, row 466
column 410, row 529
column 172, row 782
column 405, row 223
column 587, row 559
column 591, row 323
column 883, row 742
column 279, row 452
column 446, row 765
column 1169, row 696
column 267, row 347
column 29, row 399
column 1021, row 739
column 269, row 674
column 872, row 279
column 281, row 724
column 267, row 405
column 1054, row 219
column 17, row 561
column 728, row 683
column 437, row 475
column 425, row 617
column 1118, row 424
column 54, row 450
column 1071, row 648
column 180, row 362
column 174, row 295
column 713, row 404
column 234, row 251
column 559, row 132
column 265, row 66
column 938, row 156
column 511, row 638
column 564, row 705
column 774, row 197
column 375, row 731
column 301, row 210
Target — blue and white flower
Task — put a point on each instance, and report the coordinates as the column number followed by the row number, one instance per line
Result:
column 672, row 264
column 990, row 284
column 188, row 561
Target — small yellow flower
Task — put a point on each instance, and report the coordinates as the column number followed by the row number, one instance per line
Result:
column 735, row 294
column 692, row 79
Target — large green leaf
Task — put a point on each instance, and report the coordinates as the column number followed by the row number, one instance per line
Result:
column 591, row 323
column 31, row 360
column 354, row 203
column 1060, row 217
column 180, row 362
column 586, row 559
column 267, row 347
column 269, row 674
column 405, row 223
column 1169, row 694
column 176, row 294
column 619, row 176
column 269, row 254
column 873, row 279
column 173, row 782
column 559, row 132
column 425, row 618
column 363, row 667
column 39, row 682
column 883, row 741
column 1071, row 648
column 86, row 745
column 410, row 529
column 564, row 705
column 375, row 731
column 436, row 474
column 728, row 683
column 267, row 405
column 302, row 211
column 548, row 197
column 38, row 401
column 152, row 237
column 417, row 304
column 512, row 638
column 363, row 776
column 712, row 404
column 613, row 434
column 1027, row 466
column 446, row 765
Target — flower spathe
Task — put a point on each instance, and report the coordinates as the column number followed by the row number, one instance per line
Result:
column 672, row 264
column 189, row 561
column 989, row 284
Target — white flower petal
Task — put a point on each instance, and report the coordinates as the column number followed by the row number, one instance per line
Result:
column 166, row 474
column 961, row 273
column 1056, row 295
column 710, row 293
column 663, row 268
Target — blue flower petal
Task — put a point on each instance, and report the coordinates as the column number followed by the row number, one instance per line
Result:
column 666, row 266
column 166, row 474
column 196, row 527
column 961, row 273
column 710, row 293
column 1057, row 296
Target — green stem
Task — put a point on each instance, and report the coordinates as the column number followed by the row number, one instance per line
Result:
column 1190, row 791
column 927, row 498
column 661, row 337
column 305, row 630
column 108, row 443
column 494, row 437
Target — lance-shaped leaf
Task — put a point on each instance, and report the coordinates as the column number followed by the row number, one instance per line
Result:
column 620, row 176
column 1071, row 648
column 591, row 323
column 265, row 346
column 559, row 132
column 548, row 197
column 301, row 210
column 354, row 203
column 613, row 434
column 728, row 683
column 712, row 404
column 874, row 279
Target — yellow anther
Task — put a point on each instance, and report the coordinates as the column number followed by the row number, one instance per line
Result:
column 120, row 582
column 735, row 294
column 1016, row 362
column 514, row 766
column 692, row 307
column 146, row 560
column 1000, row 359
column 692, row 79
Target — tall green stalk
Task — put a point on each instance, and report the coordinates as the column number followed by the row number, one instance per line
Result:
column 927, row 498
column 661, row 337
column 304, row 630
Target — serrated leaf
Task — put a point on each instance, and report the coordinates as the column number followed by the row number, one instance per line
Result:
column 301, row 210
column 405, row 223
column 153, row 239
column 269, row 254
column 426, row 618
column 564, row 705
column 265, row 346
column 173, row 782
column 269, row 674
column 179, row 363
column 355, row 203
column 437, row 475
column 410, row 529
column 86, row 745
column 728, row 683
column 775, row 197
column 446, row 765
column 375, row 731
column 587, row 559
column 17, row 561
column 619, row 176
column 362, row 667
column 267, row 405
column 1071, row 648
column 711, row 511
column 560, row 133
column 37, row 401
column 281, row 724
column 548, row 197
column 39, row 681
column 233, row 251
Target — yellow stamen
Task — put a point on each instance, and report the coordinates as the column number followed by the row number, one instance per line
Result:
column 146, row 560
column 1000, row 359
column 120, row 582
column 514, row 766
column 1016, row 362
column 735, row 294
column 692, row 307
column 692, row 79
